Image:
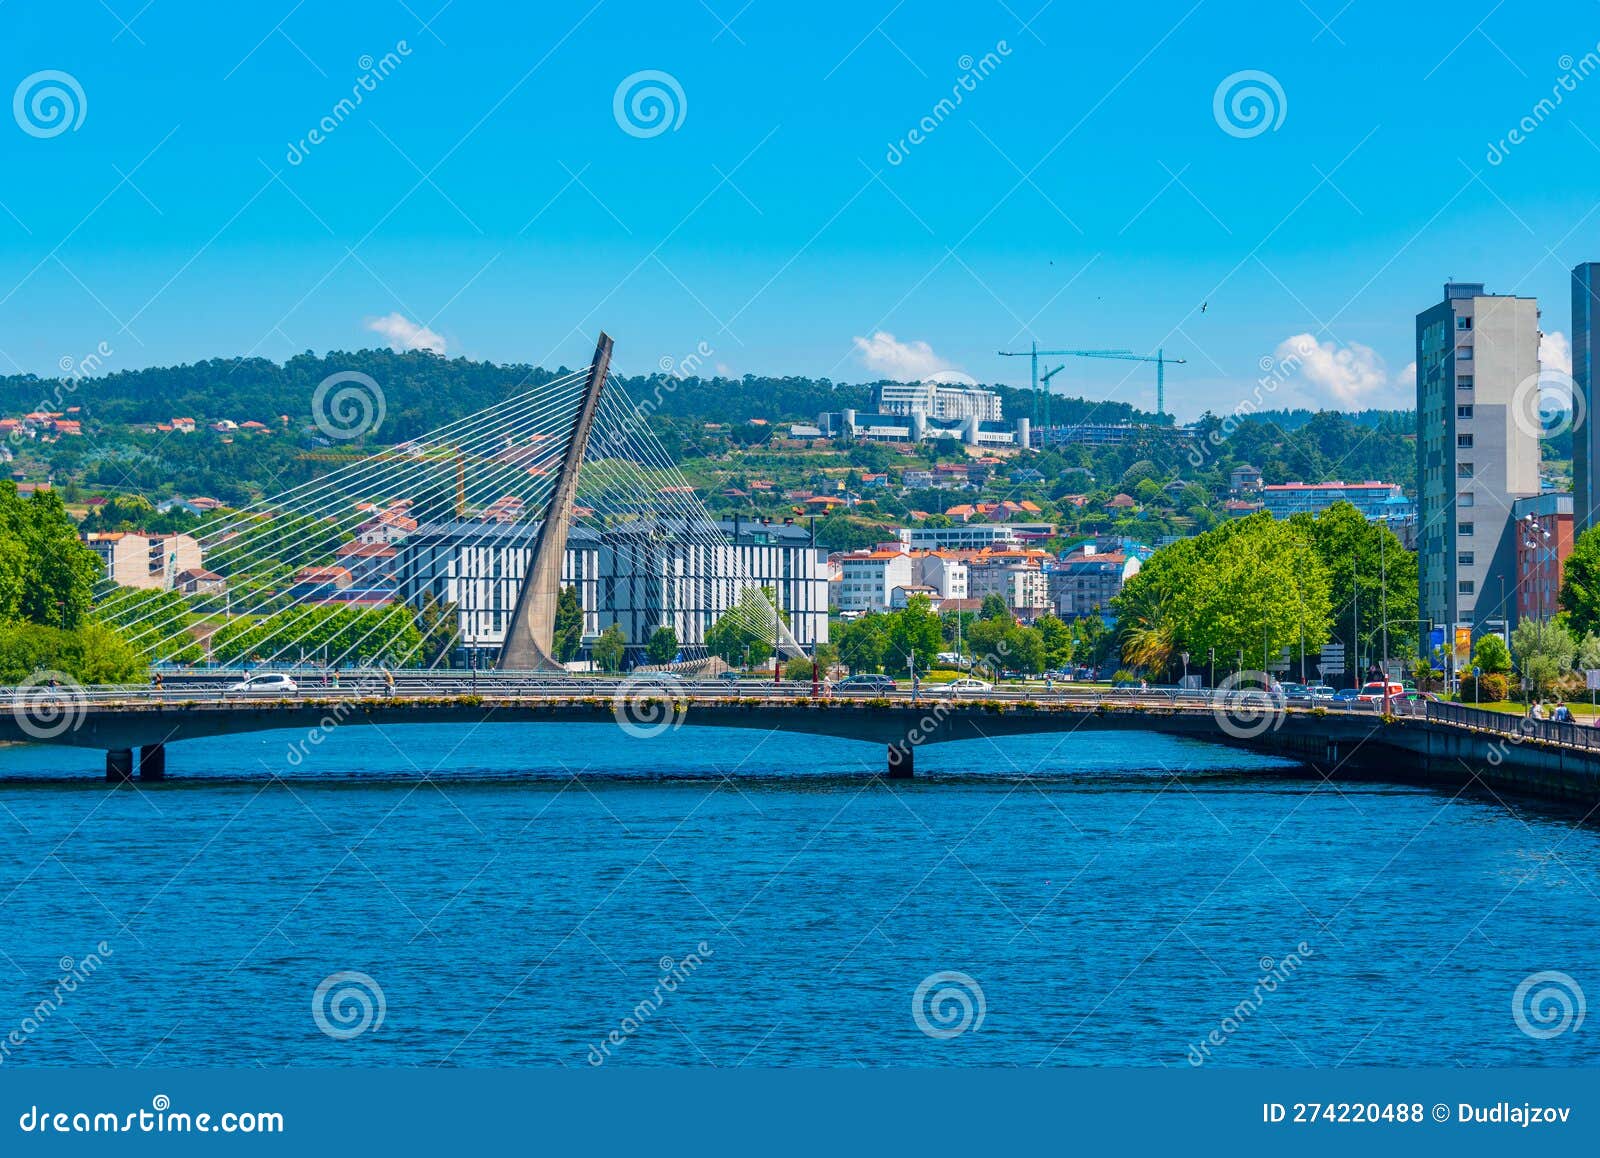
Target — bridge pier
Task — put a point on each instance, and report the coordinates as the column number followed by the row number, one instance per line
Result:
column 153, row 762
column 119, row 766
column 902, row 765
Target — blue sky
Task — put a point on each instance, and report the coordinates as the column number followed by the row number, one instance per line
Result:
column 484, row 197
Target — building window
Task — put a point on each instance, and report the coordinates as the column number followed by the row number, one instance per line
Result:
column 1464, row 587
column 1464, row 382
column 1464, row 559
column 1464, row 412
column 1463, row 442
column 1464, row 323
column 1463, row 353
column 1464, row 499
column 1463, row 470
column 1464, row 530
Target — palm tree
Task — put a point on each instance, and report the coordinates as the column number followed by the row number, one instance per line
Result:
column 1146, row 629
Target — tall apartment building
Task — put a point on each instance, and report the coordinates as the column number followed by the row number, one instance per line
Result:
column 1586, row 436
column 1474, row 459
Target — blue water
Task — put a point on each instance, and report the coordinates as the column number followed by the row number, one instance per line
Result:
column 513, row 890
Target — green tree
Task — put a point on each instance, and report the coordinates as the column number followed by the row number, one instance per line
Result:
column 609, row 648
column 1056, row 637
column 913, row 633
column 439, row 624
column 1580, row 583
column 1372, row 579
column 568, row 635
column 1544, row 651
column 862, row 642
column 994, row 607
column 1251, row 586
column 662, row 646
column 1491, row 656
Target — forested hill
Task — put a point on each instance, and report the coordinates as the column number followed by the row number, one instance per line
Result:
column 700, row 419
column 423, row 391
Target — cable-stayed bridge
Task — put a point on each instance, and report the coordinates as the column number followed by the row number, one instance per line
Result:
column 507, row 494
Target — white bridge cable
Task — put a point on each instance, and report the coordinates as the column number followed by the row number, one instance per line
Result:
column 213, row 531
column 515, row 439
column 501, row 484
column 525, row 528
column 241, row 566
column 631, row 439
column 353, row 478
column 526, row 413
column 677, row 510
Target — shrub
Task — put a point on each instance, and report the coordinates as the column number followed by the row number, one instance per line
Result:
column 1491, row 687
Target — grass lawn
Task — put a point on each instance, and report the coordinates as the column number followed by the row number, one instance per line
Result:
column 1577, row 707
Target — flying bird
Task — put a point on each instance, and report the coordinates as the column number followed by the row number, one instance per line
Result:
column 1203, row 306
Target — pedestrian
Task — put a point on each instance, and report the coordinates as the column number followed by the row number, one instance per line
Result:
column 1563, row 715
column 1536, row 710
column 388, row 682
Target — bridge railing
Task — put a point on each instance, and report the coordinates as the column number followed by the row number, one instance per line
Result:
column 1516, row 727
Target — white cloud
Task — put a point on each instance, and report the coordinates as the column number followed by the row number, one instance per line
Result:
column 885, row 354
column 404, row 334
column 1348, row 377
column 1555, row 353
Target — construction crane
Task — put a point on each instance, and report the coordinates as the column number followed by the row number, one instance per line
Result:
column 1044, row 384
column 1159, row 358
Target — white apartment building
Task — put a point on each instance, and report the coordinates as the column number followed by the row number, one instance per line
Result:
column 1021, row 582
column 1477, row 452
column 134, row 559
column 869, row 579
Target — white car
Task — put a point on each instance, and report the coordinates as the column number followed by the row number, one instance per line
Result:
column 266, row 682
column 967, row 684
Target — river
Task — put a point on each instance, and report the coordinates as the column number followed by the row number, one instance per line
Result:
column 546, row 895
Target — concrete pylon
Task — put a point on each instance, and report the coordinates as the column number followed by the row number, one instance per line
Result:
column 529, row 644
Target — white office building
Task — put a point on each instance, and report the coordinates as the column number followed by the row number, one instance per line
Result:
column 479, row 566
column 665, row 573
